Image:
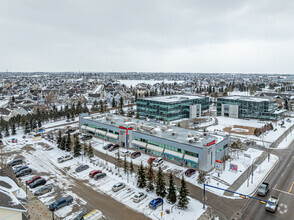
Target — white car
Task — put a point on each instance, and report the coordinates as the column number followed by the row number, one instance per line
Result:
column 123, row 153
column 64, row 158
column 272, row 204
column 157, row 161
column 118, row 187
column 139, row 197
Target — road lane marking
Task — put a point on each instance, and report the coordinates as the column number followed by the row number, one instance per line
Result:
column 275, row 186
column 288, row 164
column 282, row 174
column 284, row 192
column 291, row 187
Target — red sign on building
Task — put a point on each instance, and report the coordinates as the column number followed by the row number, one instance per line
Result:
column 211, row 143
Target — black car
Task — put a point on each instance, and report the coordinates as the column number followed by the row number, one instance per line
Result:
column 82, row 168
column 135, row 155
column 80, row 216
column 86, row 137
column 43, row 190
column 24, row 172
column 99, row 176
column 106, row 147
column 38, row 182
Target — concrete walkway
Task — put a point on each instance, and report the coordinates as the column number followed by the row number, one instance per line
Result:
column 238, row 182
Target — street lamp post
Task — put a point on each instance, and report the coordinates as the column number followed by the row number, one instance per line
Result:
column 252, row 168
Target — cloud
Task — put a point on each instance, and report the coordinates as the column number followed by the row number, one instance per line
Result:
column 194, row 36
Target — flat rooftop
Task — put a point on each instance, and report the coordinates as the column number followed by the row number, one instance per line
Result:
column 248, row 98
column 172, row 98
column 168, row 132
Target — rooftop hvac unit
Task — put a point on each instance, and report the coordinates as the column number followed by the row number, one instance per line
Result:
column 113, row 122
column 190, row 135
column 163, row 128
column 191, row 140
column 196, row 139
column 205, row 134
column 152, row 131
column 108, row 118
column 99, row 116
column 174, row 134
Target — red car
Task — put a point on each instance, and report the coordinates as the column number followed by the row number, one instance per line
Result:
column 94, row 172
column 32, row 179
column 151, row 159
column 190, row 172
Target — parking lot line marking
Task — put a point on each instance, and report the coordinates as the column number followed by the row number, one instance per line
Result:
column 291, row 187
column 284, row 192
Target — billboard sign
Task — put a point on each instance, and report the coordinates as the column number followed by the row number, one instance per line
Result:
column 234, row 167
column 219, row 166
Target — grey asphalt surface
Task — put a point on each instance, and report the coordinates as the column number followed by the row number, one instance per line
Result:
column 280, row 179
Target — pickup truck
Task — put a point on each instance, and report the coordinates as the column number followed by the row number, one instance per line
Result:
column 64, row 158
column 272, row 204
column 59, row 203
column 263, row 189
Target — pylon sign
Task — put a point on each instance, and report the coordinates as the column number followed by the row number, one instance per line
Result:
column 218, row 166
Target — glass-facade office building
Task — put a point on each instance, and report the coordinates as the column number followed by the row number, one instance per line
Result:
column 172, row 107
column 247, row 107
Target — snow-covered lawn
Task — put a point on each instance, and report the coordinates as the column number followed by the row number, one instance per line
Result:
column 269, row 136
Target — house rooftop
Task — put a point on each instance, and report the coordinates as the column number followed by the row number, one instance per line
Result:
column 172, row 98
column 248, row 98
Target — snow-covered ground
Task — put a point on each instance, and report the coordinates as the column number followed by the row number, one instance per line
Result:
column 43, row 160
column 151, row 82
column 269, row 136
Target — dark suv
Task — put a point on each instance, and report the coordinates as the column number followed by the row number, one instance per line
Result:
column 190, row 172
column 24, row 172
column 135, row 155
column 106, row 147
column 38, row 182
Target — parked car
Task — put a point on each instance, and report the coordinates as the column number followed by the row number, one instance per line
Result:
column 32, row 179
column 64, row 158
column 24, row 172
column 157, row 161
column 14, row 162
column 38, row 182
column 86, row 137
column 94, row 172
column 20, row 168
column 99, row 176
column 114, row 147
column 135, row 155
column 155, row 203
column 82, row 168
column 59, row 203
column 123, row 153
column 81, row 215
column 107, row 146
column 118, row 187
column 190, row 172
column 43, row 190
column 151, row 159
column 139, row 196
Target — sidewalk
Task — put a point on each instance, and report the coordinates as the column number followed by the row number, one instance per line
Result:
column 238, row 182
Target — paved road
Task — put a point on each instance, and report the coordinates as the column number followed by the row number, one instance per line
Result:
column 281, row 181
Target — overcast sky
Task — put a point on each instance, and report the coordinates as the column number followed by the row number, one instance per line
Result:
column 144, row 35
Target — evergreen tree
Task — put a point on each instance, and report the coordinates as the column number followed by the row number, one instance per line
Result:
column 113, row 103
column 94, row 106
column 183, row 199
column 131, row 167
column 86, row 149
column 59, row 139
column 90, row 150
column 77, row 147
column 27, row 128
column 63, row 143
column 6, row 131
column 68, row 142
column 150, row 178
column 125, row 165
column 1, row 134
column 39, row 123
column 171, row 195
column 13, row 129
column 121, row 102
column 141, row 181
column 118, row 160
column 160, row 184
